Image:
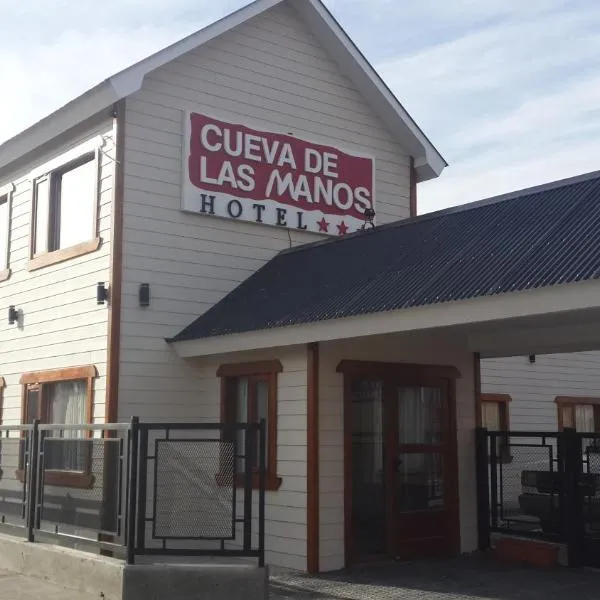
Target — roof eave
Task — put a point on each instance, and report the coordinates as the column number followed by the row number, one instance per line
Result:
column 58, row 122
column 498, row 309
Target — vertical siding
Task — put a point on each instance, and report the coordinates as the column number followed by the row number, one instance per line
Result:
column 411, row 349
column 533, row 387
column 62, row 326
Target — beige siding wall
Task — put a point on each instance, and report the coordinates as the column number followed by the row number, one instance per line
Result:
column 411, row 349
column 533, row 387
column 269, row 71
column 62, row 324
column 285, row 511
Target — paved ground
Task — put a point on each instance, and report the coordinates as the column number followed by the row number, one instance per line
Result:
column 460, row 579
column 17, row 587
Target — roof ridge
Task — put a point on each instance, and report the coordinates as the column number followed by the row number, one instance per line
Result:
column 467, row 206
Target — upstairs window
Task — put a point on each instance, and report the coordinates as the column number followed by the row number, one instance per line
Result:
column 65, row 208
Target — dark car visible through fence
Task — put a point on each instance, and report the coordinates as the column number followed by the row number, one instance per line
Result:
column 138, row 488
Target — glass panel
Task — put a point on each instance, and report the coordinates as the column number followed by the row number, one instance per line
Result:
column 262, row 412
column 584, row 418
column 420, row 481
column 33, row 397
column 66, row 404
column 491, row 415
column 567, row 416
column 368, row 508
column 3, row 232
column 77, row 204
column 42, row 215
column 241, row 416
column 419, row 415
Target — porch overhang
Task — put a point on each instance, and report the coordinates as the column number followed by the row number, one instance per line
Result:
column 494, row 325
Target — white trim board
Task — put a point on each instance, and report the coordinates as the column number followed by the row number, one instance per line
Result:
column 554, row 300
column 428, row 161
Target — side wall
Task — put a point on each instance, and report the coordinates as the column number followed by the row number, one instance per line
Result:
column 270, row 72
column 285, row 526
column 533, row 387
column 62, row 324
column 409, row 349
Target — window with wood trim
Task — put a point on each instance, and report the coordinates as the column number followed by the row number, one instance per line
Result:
column 578, row 412
column 63, row 396
column 248, row 395
column 65, row 210
column 495, row 417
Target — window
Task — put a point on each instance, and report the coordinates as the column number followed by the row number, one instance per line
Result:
column 580, row 413
column 495, row 417
column 59, row 397
column 65, row 206
column 4, row 233
column 249, row 394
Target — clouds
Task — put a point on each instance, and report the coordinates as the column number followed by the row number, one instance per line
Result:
column 510, row 104
column 508, row 90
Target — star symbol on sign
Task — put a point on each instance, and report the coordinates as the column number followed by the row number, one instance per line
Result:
column 342, row 228
column 323, row 224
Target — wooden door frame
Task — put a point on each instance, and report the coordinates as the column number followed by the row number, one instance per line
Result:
column 404, row 374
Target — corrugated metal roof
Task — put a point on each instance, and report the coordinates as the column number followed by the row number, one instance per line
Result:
column 535, row 238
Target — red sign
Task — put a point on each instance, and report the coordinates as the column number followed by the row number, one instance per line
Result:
column 238, row 172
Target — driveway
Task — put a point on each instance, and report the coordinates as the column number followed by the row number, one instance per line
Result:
column 472, row 578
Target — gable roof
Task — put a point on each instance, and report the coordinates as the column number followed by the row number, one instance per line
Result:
column 535, row 238
column 428, row 161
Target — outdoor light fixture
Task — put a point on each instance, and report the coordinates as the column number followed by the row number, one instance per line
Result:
column 369, row 216
column 532, row 358
column 13, row 315
column 101, row 293
column 144, row 294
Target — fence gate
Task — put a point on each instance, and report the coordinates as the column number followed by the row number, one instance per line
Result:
column 589, row 498
column 543, row 485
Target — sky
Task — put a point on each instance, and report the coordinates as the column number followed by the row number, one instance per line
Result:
column 507, row 90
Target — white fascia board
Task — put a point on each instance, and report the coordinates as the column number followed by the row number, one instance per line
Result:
column 428, row 161
column 490, row 309
column 118, row 86
column 55, row 124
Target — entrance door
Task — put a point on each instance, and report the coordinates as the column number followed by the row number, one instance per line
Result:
column 420, row 471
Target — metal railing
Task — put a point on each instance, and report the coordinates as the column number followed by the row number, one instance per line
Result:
column 135, row 489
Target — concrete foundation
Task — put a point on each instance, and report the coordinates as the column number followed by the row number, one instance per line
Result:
column 111, row 579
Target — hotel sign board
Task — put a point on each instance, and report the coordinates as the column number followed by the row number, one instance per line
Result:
column 236, row 172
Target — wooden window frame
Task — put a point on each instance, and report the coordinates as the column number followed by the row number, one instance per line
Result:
column 266, row 370
column 503, row 401
column 36, row 381
column 571, row 402
column 52, row 254
column 6, row 191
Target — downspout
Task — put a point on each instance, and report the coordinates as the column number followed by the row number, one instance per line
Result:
column 111, row 413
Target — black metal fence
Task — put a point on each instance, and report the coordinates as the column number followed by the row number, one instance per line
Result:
column 137, row 488
column 543, row 485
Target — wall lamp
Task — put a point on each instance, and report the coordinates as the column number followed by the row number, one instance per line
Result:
column 101, row 293
column 13, row 315
column 144, row 294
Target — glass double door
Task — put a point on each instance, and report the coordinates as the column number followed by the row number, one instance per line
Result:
column 402, row 475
